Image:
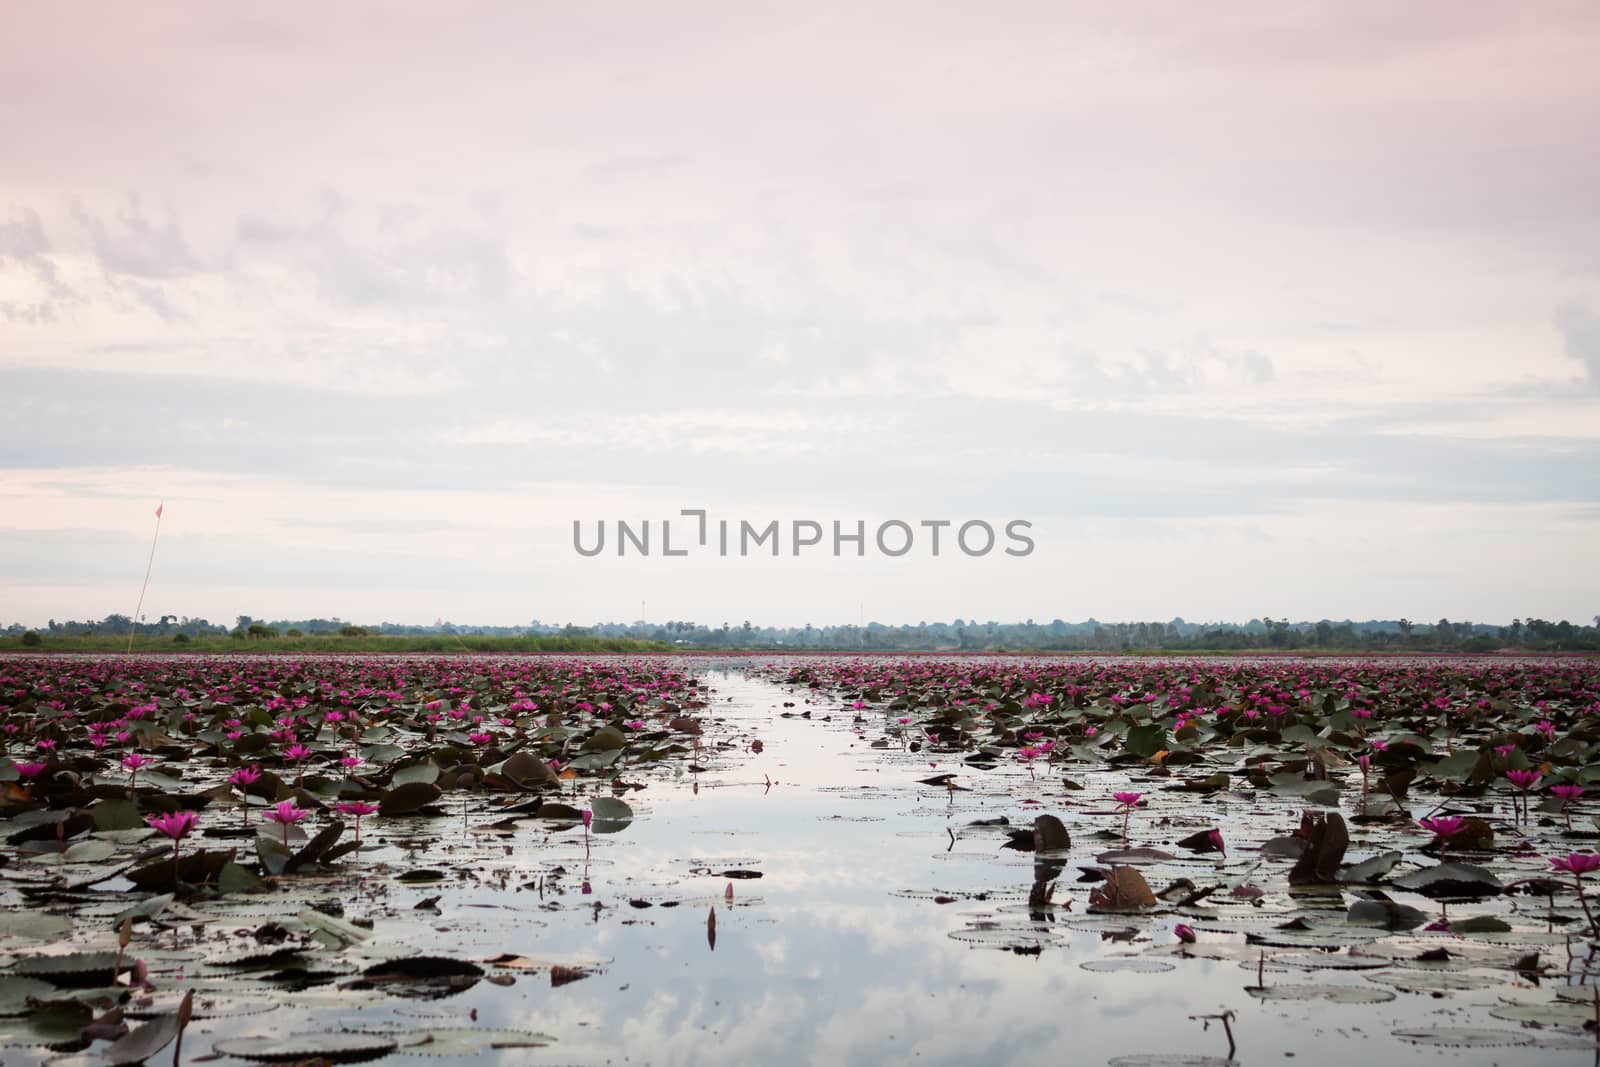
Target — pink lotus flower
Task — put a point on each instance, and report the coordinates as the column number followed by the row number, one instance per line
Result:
column 242, row 778
column 286, row 813
column 1126, row 801
column 1524, row 780
column 480, row 738
column 1577, row 863
column 1443, row 828
column 355, row 808
column 1184, row 933
column 1443, row 825
column 30, row 769
column 175, row 824
column 634, row 724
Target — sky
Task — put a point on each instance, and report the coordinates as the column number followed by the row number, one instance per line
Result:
column 1277, row 307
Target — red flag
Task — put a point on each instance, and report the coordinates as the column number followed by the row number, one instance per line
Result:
column 159, row 507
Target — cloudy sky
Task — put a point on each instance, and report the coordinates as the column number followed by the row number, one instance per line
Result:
column 1276, row 307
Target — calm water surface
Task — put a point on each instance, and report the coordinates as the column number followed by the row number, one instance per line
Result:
column 839, row 952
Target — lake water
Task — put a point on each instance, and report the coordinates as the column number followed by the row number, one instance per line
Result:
column 842, row 952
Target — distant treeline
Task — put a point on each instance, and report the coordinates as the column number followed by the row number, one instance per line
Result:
column 960, row 635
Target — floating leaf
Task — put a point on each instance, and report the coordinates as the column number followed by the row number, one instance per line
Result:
column 406, row 799
column 1124, row 889
column 610, row 809
column 1463, row 1037
column 1451, row 879
column 336, row 1047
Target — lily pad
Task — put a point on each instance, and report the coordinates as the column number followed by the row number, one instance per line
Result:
column 336, row 1047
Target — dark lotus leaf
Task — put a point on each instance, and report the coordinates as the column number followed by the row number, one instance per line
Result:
column 525, row 769
column 1200, row 841
column 1386, row 914
column 1288, row 848
column 144, row 1040
column 739, row 872
column 1475, row 833
column 233, row 878
column 253, row 957
column 421, row 771
column 1463, row 1037
column 54, row 1022
column 337, row 1047
column 1451, row 879
column 342, row 849
column 1021, row 840
column 594, row 761
column 610, row 814
column 406, row 799
column 273, row 853
column 116, row 814
column 1397, row 783
column 684, row 724
column 421, row 976
column 161, row 875
column 1124, row 889
column 73, row 969
column 1325, row 847
column 1456, row 767
column 16, row 991
column 313, row 850
column 1370, row 870
column 268, row 787
column 564, row 812
column 1049, row 833
column 1145, row 741
column 468, row 1041
column 605, row 739
column 51, row 825
column 1208, row 784
column 1134, row 855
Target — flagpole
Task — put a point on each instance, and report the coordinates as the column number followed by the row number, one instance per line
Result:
column 134, row 625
